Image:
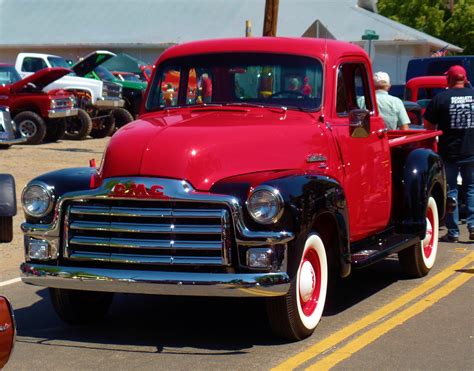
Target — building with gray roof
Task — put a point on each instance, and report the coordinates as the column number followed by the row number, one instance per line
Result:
column 144, row 28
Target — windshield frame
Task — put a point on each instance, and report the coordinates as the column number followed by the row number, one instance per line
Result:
column 186, row 63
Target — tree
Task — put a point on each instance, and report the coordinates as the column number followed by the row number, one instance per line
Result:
column 434, row 18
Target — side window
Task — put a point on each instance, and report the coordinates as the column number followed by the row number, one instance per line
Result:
column 33, row 64
column 353, row 89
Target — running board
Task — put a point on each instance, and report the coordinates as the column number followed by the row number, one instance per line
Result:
column 364, row 254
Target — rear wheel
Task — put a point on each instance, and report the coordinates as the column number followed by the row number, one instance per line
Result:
column 296, row 315
column 31, row 126
column 417, row 260
column 121, row 117
column 6, row 228
column 103, row 127
column 78, row 127
column 80, row 307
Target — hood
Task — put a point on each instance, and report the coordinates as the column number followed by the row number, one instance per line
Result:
column 204, row 146
column 40, row 79
column 91, row 61
column 72, row 82
column 135, row 85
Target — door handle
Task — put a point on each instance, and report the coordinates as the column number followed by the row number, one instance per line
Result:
column 381, row 132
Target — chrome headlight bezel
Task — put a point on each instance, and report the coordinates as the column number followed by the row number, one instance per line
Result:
column 273, row 196
column 46, row 192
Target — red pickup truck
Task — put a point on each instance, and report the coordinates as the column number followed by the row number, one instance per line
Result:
column 266, row 181
column 38, row 115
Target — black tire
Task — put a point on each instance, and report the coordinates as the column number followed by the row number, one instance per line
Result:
column 31, row 126
column 80, row 307
column 103, row 127
column 6, row 228
column 121, row 117
column 5, row 146
column 417, row 260
column 78, row 127
column 55, row 131
column 296, row 315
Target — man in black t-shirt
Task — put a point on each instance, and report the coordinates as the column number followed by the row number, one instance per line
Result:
column 452, row 111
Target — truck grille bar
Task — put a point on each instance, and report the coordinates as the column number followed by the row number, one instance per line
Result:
column 146, row 235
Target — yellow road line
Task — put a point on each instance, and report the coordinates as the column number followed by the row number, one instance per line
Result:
column 373, row 334
column 373, row 317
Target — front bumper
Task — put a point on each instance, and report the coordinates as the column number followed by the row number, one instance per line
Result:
column 61, row 113
column 109, row 103
column 157, row 282
column 12, row 141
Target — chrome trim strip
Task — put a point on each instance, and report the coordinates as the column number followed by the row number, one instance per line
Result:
column 145, row 228
column 145, row 259
column 13, row 141
column 145, row 213
column 60, row 113
column 153, row 282
column 128, row 243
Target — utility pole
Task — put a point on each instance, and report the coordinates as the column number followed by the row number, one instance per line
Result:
column 271, row 18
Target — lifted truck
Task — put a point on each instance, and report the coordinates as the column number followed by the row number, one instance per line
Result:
column 96, row 98
column 38, row 116
column 274, row 187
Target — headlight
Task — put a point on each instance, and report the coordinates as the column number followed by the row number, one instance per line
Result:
column 37, row 200
column 73, row 101
column 53, row 104
column 265, row 205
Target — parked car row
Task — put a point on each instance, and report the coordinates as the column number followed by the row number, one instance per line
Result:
column 48, row 99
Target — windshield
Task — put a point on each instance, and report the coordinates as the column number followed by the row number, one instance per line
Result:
column 291, row 81
column 104, row 74
column 8, row 75
column 58, row 62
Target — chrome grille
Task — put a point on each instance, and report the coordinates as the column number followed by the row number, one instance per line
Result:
column 111, row 90
column 154, row 232
column 63, row 103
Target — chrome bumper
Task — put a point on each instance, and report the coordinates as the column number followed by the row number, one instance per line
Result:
column 60, row 113
column 109, row 103
column 157, row 282
column 12, row 141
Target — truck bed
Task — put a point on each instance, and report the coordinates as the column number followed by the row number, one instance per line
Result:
column 414, row 138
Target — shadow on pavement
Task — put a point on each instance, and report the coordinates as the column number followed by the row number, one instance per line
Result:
column 219, row 326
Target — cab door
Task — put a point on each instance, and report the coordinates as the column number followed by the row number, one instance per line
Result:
column 364, row 152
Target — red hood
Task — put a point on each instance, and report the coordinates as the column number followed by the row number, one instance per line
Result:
column 40, row 79
column 204, row 146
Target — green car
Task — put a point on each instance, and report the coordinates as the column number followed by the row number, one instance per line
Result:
column 132, row 91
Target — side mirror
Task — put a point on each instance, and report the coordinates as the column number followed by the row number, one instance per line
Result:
column 7, row 331
column 359, row 122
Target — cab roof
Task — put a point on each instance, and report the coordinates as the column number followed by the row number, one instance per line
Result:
column 304, row 46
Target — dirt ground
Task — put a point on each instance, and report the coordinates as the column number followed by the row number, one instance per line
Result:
column 25, row 162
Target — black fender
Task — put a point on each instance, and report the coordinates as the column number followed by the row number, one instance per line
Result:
column 309, row 198
column 64, row 181
column 422, row 175
column 7, row 195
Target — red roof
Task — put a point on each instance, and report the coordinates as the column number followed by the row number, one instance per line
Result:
column 306, row 46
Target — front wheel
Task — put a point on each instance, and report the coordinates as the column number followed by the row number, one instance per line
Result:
column 296, row 315
column 80, row 307
column 78, row 127
column 121, row 117
column 103, row 127
column 31, row 126
column 417, row 260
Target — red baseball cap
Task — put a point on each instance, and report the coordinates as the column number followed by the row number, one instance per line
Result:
column 456, row 73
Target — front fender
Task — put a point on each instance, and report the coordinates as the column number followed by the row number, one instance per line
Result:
column 308, row 199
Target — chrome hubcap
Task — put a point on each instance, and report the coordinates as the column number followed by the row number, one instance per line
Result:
column 307, row 281
column 27, row 128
